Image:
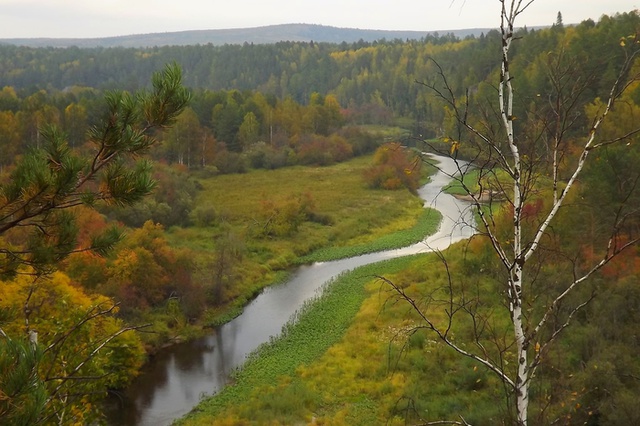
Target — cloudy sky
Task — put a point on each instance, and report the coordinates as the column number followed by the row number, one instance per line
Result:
column 103, row 18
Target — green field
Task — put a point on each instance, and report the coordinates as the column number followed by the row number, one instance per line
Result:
column 348, row 219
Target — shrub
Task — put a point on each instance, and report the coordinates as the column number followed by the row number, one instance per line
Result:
column 228, row 162
column 282, row 218
column 394, row 167
column 263, row 156
column 323, row 151
column 204, row 215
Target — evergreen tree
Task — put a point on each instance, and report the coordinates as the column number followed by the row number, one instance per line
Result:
column 37, row 226
column 38, row 229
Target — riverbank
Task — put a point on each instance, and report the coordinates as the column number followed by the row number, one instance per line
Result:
column 337, row 363
column 319, row 325
column 385, row 219
column 426, row 224
column 346, row 216
column 358, row 357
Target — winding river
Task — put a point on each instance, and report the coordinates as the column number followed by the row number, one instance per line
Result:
column 177, row 378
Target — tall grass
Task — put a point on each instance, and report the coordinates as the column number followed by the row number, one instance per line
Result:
column 354, row 357
column 319, row 324
column 354, row 218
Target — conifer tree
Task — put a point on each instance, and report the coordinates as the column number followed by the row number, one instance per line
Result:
column 38, row 230
column 49, row 181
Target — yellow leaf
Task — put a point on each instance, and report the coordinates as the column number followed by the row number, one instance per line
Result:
column 454, row 146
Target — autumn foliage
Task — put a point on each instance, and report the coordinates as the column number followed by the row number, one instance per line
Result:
column 70, row 326
column 283, row 218
column 394, row 167
column 142, row 273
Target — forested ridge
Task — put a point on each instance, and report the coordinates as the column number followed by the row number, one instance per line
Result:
column 373, row 82
column 192, row 252
column 259, row 35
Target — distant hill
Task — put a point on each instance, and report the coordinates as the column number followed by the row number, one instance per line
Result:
column 258, row 35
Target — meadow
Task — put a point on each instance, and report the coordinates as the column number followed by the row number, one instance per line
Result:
column 342, row 218
column 356, row 357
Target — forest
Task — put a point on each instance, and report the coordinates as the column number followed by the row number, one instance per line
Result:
column 146, row 195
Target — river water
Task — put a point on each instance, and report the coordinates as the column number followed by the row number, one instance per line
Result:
column 176, row 379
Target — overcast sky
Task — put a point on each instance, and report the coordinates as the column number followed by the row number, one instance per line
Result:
column 103, row 18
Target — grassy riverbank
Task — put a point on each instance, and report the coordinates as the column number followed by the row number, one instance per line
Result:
column 354, row 358
column 347, row 219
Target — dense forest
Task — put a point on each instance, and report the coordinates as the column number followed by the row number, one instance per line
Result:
column 259, row 35
column 371, row 82
column 132, row 200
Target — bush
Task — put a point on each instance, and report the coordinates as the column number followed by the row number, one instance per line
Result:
column 263, row 156
column 228, row 162
column 204, row 216
column 394, row 167
column 323, row 151
column 361, row 142
column 282, row 218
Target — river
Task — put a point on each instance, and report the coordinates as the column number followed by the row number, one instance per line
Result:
column 176, row 379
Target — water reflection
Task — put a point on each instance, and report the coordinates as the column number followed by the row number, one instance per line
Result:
column 178, row 377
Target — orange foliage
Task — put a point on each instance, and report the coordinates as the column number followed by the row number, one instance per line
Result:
column 90, row 223
column 394, row 167
column 625, row 263
column 146, row 271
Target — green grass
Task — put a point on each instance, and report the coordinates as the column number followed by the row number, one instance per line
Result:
column 350, row 360
column 320, row 324
column 494, row 179
column 356, row 220
column 470, row 180
column 427, row 224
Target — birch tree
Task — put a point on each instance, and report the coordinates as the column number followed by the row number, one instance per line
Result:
column 521, row 163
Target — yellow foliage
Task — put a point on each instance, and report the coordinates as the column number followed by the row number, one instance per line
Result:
column 71, row 326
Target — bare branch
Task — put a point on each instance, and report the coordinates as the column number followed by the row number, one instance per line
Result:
column 442, row 334
column 616, row 91
column 90, row 356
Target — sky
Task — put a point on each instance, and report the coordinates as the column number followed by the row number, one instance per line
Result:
column 105, row 18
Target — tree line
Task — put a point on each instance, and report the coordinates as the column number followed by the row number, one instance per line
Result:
column 364, row 75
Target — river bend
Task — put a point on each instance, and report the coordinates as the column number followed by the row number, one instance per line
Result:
column 177, row 378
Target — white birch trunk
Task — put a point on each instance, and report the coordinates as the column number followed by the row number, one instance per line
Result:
column 516, row 279
column 522, row 378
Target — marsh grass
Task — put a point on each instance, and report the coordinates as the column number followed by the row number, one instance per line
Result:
column 346, row 214
column 320, row 324
column 355, row 357
column 427, row 224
